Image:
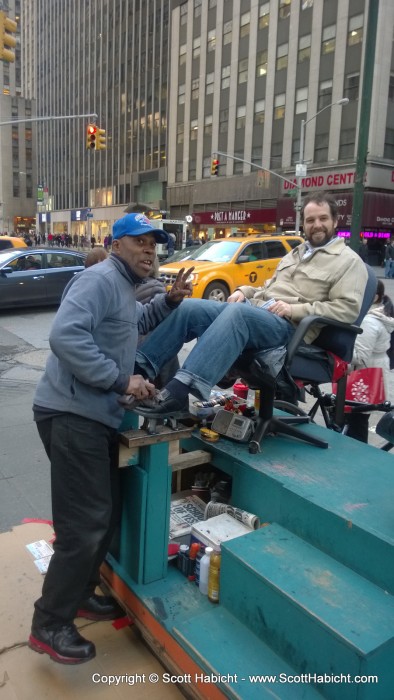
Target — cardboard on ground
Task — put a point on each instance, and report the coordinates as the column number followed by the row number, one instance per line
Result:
column 26, row 675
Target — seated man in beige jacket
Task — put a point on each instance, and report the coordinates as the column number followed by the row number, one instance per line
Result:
column 321, row 276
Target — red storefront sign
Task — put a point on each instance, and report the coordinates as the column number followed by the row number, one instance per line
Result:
column 378, row 210
column 233, row 217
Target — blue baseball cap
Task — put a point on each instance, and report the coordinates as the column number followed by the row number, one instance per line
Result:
column 137, row 225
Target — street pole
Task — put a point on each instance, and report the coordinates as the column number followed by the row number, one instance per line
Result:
column 47, row 119
column 363, row 133
column 301, row 166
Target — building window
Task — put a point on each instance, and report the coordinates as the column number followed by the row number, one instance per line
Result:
column 238, row 164
column 301, row 105
column 304, row 48
column 325, row 94
column 241, row 117
column 209, row 83
column 192, row 169
column 245, row 25
column 257, row 155
column 261, row 63
column 264, row 15
column 196, row 47
column 180, row 132
column 208, row 125
column 243, row 71
column 276, row 154
column 206, row 166
column 227, row 32
column 211, row 4
column 183, row 19
column 321, row 149
column 391, row 87
column 225, row 77
column 181, row 94
column 259, row 112
column 282, row 56
column 223, row 121
column 211, row 42
column 284, row 8
column 179, row 172
column 351, row 86
column 295, row 151
column 328, row 39
column 182, row 54
column 197, row 8
column 195, row 88
column 347, row 142
column 279, row 106
column 193, row 130
column 306, row 4
column 355, row 35
column 389, row 144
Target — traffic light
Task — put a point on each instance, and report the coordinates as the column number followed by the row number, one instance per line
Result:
column 7, row 28
column 101, row 143
column 91, row 135
column 215, row 167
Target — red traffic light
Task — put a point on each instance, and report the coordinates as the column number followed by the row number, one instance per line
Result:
column 91, row 131
column 215, row 167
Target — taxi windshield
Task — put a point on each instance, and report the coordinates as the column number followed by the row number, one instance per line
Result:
column 216, row 251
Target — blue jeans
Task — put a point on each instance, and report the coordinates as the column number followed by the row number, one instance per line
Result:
column 224, row 331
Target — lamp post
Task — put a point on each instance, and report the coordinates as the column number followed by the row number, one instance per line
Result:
column 301, row 166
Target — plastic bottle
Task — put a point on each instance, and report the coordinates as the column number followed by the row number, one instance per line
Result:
column 204, row 571
column 193, row 551
column 214, row 575
column 199, row 556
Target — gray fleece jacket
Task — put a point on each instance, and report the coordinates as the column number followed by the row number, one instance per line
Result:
column 93, row 342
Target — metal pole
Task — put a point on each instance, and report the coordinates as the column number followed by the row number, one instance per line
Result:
column 299, row 177
column 259, row 167
column 46, row 119
column 365, row 113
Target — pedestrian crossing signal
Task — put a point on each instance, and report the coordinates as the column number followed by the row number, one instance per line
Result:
column 215, row 167
column 91, row 134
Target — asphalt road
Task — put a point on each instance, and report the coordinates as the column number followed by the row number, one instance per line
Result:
column 24, row 467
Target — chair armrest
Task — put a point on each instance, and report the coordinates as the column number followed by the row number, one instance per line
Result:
column 306, row 323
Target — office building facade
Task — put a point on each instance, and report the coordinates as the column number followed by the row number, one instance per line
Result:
column 244, row 73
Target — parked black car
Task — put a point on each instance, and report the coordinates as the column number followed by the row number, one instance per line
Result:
column 36, row 276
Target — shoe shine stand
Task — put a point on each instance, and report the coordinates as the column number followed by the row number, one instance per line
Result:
column 309, row 594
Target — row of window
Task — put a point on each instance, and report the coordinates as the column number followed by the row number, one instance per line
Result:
column 355, row 36
column 284, row 8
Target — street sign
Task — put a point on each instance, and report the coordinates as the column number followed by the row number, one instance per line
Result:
column 89, row 215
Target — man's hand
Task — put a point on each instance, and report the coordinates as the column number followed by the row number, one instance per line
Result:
column 280, row 308
column 236, row 296
column 182, row 287
column 139, row 387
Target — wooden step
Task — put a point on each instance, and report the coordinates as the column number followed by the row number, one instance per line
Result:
column 315, row 612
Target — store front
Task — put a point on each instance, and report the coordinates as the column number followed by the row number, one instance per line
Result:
column 208, row 225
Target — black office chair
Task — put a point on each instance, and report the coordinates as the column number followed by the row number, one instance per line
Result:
column 325, row 360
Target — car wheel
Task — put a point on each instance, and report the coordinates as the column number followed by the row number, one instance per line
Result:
column 216, row 291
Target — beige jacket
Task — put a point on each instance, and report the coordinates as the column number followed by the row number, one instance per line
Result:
column 331, row 282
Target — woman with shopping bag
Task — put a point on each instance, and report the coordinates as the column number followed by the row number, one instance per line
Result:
column 368, row 380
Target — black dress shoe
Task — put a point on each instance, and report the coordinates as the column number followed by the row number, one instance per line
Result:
column 64, row 644
column 165, row 405
column 100, row 607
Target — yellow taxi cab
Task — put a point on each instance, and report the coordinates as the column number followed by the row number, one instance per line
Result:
column 220, row 266
column 11, row 242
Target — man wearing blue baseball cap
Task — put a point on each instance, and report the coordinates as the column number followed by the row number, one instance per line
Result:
column 93, row 342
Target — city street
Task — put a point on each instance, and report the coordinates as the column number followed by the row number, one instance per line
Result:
column 24, row 467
